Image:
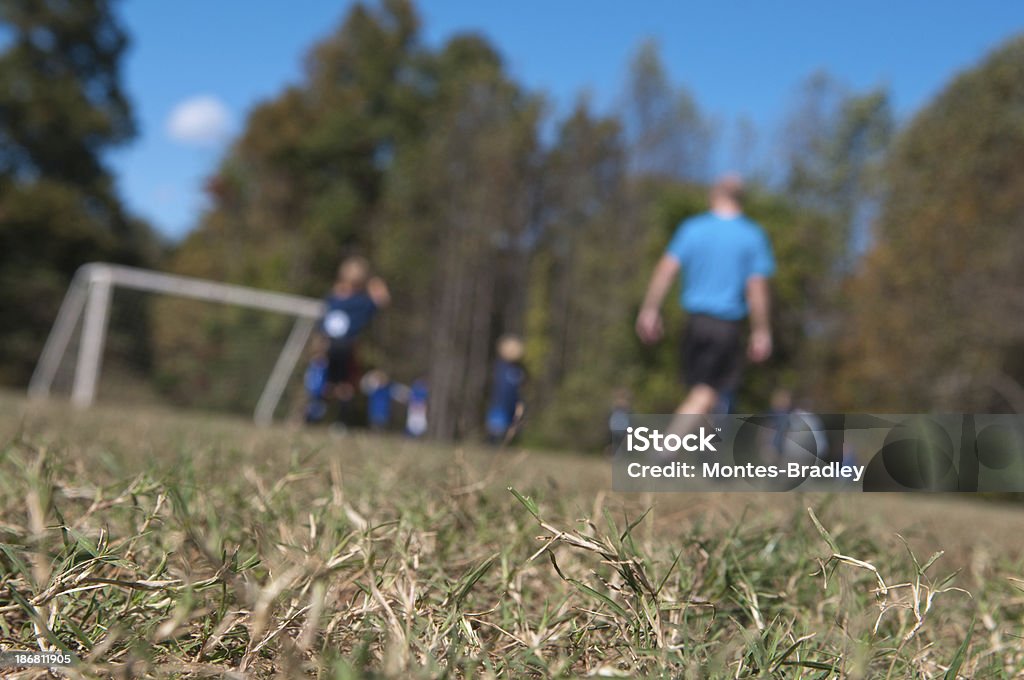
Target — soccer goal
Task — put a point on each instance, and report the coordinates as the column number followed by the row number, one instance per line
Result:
column 128, row 334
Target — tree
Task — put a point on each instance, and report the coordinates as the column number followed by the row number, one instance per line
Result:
column 836, row 143
column 668, row 136
column 301, row 187
column 936, row 313
column 580, row 286
column 61, row 107
column 457, row 224
column 835, row 146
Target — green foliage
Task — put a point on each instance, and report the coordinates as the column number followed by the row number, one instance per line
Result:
column 61, row 106
column 60, row 91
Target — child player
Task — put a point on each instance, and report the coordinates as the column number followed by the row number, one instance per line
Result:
column 352, row 303
column 506, row 404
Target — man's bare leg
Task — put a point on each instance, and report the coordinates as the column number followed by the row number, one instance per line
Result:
column 690, row 414
column 699, row 400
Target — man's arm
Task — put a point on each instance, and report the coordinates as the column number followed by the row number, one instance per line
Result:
column 648, row 321
column 759, row 304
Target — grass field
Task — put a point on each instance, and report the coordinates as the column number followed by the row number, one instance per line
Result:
column 170, row 545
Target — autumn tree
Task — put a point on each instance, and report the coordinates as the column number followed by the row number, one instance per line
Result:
column 937, row 321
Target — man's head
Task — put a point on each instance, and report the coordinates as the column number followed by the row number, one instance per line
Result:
column 727, row 194
column 353, row 272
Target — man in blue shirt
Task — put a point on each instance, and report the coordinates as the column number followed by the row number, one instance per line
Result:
column 725, row 261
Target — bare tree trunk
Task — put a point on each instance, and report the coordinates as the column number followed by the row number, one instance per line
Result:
column 479, row 347
column 444, row 351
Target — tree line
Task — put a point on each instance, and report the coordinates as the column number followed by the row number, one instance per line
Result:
column 896, row 244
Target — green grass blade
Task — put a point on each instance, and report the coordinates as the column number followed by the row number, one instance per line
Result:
column 823, row 531
column 527, row 502
column 961, row 653
column 616, row 607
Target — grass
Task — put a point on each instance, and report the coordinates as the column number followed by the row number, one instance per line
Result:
column 163, row 545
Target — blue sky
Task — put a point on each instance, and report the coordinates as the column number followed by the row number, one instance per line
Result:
column 739, row 58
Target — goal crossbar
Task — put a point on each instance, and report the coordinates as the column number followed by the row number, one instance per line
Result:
column 89, row 294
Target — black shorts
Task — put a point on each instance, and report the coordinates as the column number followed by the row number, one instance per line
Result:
column 712, row 352
column 341, row 365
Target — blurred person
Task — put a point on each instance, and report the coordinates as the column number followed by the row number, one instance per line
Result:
column 416, row 408
column 619, row 418
column 726, row 402
column 798, row 432
column 850, row 457
column 353, row 301
column 380, row 391
column 507, row 378
column 315, row 382
column 781, row 407
column 806, row 439
column 818, row 445
column 724, row 261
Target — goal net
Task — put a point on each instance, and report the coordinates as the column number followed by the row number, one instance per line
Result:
column 136, row 336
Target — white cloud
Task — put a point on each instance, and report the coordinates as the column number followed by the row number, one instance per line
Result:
column 199, row 121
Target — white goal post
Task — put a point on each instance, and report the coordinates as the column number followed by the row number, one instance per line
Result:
column 90, row 292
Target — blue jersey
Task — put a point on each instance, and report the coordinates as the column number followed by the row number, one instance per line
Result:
column 315, row 379
column 418, row 393
column 378, row 405
column 717, row 255
column 345, row 317
column 507, row 380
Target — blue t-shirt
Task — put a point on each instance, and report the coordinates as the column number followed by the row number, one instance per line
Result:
column 507, row 380
column 378, row 404
column 346, row 317
column 717, row 255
